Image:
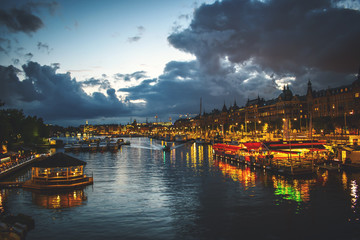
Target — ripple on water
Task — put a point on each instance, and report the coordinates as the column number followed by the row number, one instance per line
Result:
column 142, row 193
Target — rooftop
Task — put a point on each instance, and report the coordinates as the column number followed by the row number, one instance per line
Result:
column 59, row 160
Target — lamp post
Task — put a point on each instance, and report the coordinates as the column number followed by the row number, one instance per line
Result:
column 345, row 122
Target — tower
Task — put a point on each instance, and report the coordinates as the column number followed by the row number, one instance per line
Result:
column 224, row 109
column 309, row 89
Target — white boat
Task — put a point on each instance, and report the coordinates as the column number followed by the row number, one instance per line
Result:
column 113, row 145
column 85, row 147
column 93, row 146
column 76, row 147
column 68, row 147
column 103, row 146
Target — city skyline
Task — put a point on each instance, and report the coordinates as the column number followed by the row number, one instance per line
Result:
column 115, row 60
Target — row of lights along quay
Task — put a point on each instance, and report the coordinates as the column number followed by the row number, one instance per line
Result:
column 330, row 115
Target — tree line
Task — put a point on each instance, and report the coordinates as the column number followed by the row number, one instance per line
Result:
column 18, row 129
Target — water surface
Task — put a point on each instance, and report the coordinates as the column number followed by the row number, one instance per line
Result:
column 141, row 192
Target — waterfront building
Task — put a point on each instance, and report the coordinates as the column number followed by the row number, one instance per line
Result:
column 335, row 110
column 58, row 171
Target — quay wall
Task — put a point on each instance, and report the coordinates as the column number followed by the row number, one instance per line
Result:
column 19, row 166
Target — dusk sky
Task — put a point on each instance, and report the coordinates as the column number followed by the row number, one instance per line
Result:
column 112, row 61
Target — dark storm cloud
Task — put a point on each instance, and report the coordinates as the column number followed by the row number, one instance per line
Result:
column 178, row 90
column 55, row 96
column 22, row 18
column 18, row 20
column 303, row 38
column 13, row 91
column 166, row 95
column 5, row 45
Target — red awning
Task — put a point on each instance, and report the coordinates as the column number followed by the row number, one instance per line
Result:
column 226, row 147
column 253, row 145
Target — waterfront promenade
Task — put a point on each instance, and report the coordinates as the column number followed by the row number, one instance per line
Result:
column 14, row 166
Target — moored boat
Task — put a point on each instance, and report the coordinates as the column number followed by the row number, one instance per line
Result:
column 68, row 147
column 295, row 158
column 113, row 145
column 76, row 147
column 103, row 146
column 58, row 171
column 93, row 146
column 85, row 146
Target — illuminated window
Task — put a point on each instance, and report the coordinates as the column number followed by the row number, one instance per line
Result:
column 357, row 95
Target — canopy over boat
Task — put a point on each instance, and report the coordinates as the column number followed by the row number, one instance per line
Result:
column 59, row 160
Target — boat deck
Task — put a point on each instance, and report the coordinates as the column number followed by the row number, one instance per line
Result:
column 30, row 184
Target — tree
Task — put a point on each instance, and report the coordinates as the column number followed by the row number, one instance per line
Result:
column 16, row 128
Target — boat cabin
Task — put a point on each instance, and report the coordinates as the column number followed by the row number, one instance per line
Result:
column 58, row 171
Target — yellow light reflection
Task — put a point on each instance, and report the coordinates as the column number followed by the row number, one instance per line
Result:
column 2, row 200
column 173, row 155
column 201, row 155
column 325, row 177
column 210, row 153
column 188, row 160
column 59, row 200
column 245, row 176
column 344, row 180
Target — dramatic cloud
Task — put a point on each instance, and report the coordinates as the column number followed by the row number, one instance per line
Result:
column 18, row 20
column 22, row 19
column 169, row 94
column 5, row 45
column 55, row 97
column 178, row 90
column 285, row 37
column 101, row 83
column 243, row 49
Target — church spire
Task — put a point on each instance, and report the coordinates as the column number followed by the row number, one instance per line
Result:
column 224, row 109
column 309, row 90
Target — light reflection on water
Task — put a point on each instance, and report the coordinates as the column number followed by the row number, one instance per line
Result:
column 59, row 200
column 141, row 192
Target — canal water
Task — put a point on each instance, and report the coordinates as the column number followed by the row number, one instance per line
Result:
column 141, row 192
